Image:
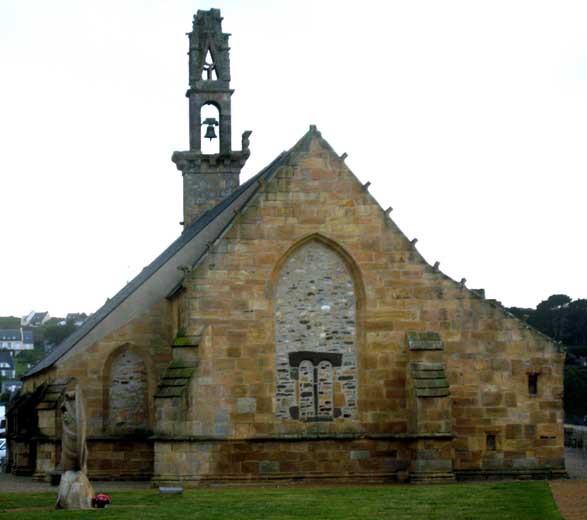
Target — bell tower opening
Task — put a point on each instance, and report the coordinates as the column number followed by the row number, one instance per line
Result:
column 209, row 68
column 210, row 168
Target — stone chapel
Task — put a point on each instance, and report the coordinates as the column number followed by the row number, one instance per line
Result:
column 292, row 331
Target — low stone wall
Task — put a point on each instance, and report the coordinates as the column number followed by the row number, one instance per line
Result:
column 193, row 461
column 201, row 462
column 109, row 459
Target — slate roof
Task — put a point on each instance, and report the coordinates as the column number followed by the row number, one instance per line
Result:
column 38, row 318
column 189, row 234
column 10, row 335
column 27, row 336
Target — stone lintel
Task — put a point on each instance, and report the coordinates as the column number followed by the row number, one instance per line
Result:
column 295, row 358
column 424, row 340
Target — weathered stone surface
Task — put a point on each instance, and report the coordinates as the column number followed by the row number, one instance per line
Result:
column 429, row 380
column 315, row 328
column 234, row 291
column 359, row 455
column 259, row 376
column 176, row 379
column 128, row 393
column 424, row 340
column 75, row 491
column 209, row 178
column 246, row 405
column 268, row 466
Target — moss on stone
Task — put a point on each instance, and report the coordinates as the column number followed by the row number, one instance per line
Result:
column 181, row 341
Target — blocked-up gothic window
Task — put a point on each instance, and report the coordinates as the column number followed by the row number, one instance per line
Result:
column 127, row 393
column 315, row 336
column 315, row 387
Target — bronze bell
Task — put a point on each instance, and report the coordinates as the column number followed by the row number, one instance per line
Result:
column 210, row 132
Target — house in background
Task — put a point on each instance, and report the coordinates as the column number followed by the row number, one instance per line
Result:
column 77, row 318
column 35, row 319
column 6, row 365
column 16, row 340
column 10, row 385
column 28, row 341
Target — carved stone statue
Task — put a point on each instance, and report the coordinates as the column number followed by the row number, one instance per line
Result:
column 74, row 455
column 75, row 490
column 245, row 142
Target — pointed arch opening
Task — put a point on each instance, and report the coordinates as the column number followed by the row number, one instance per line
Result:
column 209, row 67
column 316, row 297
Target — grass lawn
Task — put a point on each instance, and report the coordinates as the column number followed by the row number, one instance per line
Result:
column 501, row 501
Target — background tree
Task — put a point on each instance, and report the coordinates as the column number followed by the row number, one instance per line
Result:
column 565, row 320
column 9, row 322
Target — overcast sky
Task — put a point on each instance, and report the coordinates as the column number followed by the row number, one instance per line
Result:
column 468, row 117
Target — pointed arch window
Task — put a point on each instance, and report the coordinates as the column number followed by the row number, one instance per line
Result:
column 209, row 68
column 315, row 335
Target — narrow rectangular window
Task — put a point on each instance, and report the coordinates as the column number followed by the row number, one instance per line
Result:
column 533, row 384
column 307, row 390
column 490, row 442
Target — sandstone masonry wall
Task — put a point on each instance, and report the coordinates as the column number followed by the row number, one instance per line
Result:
column 487, row 354
column 116, row 452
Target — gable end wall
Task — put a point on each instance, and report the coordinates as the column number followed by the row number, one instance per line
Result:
column 487, row 354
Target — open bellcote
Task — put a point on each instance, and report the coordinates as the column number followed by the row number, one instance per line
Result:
column 209, row 177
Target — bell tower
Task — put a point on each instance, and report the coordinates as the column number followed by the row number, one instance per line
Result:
column 209, row 178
